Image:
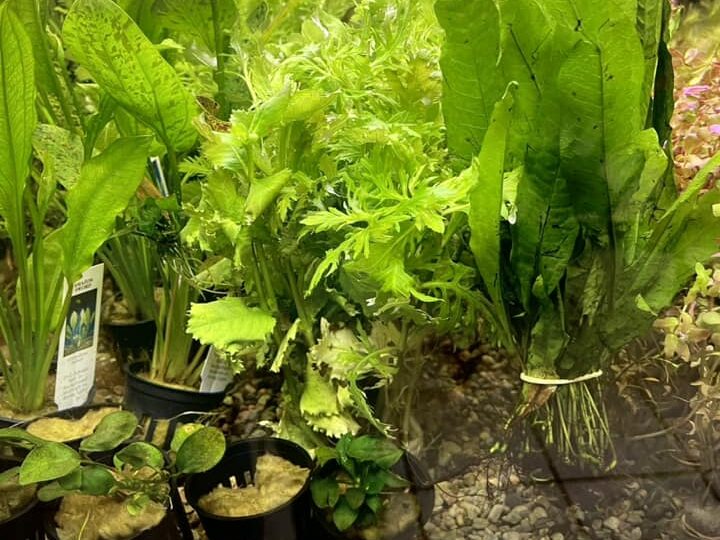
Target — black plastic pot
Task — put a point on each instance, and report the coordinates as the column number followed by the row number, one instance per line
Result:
column 132, row 340
column 287, row 522
column 24, row 525
column 408, row 467
column 147, row 398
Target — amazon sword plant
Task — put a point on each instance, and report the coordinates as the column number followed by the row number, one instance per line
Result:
column 46, row 263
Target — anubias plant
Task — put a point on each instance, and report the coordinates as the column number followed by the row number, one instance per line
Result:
column 354, row 478
column 47, row 261
column 137, row 474
column 561, row 112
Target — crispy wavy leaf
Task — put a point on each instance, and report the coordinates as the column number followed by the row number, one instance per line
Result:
column 228, row 324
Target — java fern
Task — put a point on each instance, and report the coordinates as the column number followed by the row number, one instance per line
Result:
column 561, row 112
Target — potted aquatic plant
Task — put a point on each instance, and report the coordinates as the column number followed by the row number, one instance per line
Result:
column 48, row 261
column 368, row 488
column 123, row 495
column 167, row 382
column 259, row 490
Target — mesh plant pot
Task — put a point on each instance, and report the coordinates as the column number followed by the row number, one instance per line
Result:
column 24, row 524
column 290, row 521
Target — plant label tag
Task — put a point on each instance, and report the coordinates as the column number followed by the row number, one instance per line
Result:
column 77, row 349
column 216, row 373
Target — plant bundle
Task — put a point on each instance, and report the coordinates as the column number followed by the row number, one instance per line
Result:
column 561, row 111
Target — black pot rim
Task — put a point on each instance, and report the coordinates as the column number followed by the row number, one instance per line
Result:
column 289, row 502
column 126, row 323
column 131, row 370
column 27, row 508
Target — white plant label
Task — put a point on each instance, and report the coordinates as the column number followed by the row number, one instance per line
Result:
column 216, row 373
column 77, row 350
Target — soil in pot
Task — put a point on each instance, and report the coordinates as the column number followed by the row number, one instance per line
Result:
column 276, row 481
column 150, row 398
column 289, row 521
column 104, row 518
column 70, row 425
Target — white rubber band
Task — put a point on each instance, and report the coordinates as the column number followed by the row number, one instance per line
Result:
column 559, row 382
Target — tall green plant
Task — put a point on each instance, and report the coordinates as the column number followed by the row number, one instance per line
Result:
column 47, row 262
column 561, row 107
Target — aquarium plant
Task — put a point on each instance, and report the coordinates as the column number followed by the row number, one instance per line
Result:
column 354, row 478
column 561, row 113
column 90, row 190
column 138, row 475
column 338, row 221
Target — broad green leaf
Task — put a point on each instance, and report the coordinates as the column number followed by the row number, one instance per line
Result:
column 601, row 86
column 61, row 153
column 111, row 432
column 19, row 434
column 17, row 118
column 97, row 480
column 53, row 92
column 228, row 324
column 71, row 481
column 128, row 67
column 486, row 201
column 106, row 184
column 50, row 492
column 201, row 451
column 192, row 22
column 263, row 192
column 374, row 503
column 355, row 497
column 344, row 515
column 48, row 462
column 649, row 27
column 380, row 480
column 383, row 452
column 138, row 455
column 181, row 433
column 325, row 492
column 469, row 65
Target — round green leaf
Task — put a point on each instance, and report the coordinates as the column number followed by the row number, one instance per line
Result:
column 183, row 432
column 138, row 455
column 201, row 451
column 97, row 480
column 48, row 462
column 111, row 432
column 344, row 515
column 325, row 492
